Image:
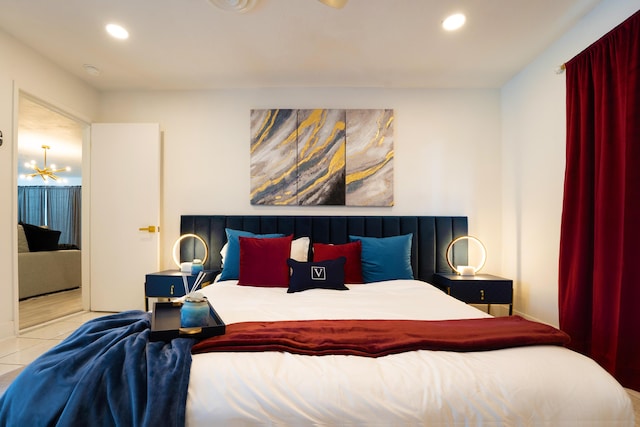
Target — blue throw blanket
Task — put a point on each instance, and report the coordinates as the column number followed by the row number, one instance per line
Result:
column 107, row 373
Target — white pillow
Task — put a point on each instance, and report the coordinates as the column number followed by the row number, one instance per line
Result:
column 300, row 249
column 223, row 252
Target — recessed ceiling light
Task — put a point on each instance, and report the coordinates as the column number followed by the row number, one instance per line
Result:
column 240, row 6
column 92, row 70
column 117, row 31
column 454, row 22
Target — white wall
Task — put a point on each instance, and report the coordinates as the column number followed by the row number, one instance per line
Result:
column 533, row 156
column 24, row 69
column 447, row 152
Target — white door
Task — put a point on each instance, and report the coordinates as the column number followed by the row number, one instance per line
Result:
column 125, row 198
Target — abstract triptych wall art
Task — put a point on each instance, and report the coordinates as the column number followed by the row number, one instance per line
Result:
column 322, row 157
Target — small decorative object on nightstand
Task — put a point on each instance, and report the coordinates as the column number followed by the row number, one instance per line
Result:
column 196, row 266
column 477, row 289
column 169, row 284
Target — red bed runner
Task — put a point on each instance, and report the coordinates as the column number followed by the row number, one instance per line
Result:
column 375, row 338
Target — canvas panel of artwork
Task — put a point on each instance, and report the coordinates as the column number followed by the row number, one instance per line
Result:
column 369, row 157
column 322, row 157
column 274, row 139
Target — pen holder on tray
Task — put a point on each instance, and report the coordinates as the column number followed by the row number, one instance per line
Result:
column 194, row 311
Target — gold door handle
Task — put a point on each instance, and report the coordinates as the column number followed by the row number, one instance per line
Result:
column 150, row 229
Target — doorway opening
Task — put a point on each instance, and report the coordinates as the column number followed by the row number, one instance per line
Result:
column 49, row 147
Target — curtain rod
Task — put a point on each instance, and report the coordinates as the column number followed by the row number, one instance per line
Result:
column 561, row 68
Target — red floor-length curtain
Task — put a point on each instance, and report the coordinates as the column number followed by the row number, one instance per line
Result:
column 599, row 281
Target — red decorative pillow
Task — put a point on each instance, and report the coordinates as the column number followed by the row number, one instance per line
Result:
column 263, row 262
column 351, row 251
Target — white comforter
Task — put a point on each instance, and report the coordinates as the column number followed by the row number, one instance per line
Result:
column 527, row 386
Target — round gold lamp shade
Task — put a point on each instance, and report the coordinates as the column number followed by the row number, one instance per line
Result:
column 467, row 270
column 176, row 247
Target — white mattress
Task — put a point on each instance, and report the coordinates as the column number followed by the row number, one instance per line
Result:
column 527, row 386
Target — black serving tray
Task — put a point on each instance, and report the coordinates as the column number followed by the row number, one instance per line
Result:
column 165, row 323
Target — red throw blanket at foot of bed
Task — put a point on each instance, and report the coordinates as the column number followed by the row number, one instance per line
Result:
column 375, row 338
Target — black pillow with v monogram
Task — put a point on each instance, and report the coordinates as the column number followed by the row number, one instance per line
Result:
column 328, row 274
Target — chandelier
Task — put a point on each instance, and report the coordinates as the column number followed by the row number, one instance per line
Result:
column 45, row 172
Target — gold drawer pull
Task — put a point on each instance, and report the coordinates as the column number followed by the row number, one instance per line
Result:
column 481, row 294
column 171, row 288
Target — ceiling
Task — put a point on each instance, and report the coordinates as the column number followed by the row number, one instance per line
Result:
column 195, row 45
column 192, row 44
column 40, row 125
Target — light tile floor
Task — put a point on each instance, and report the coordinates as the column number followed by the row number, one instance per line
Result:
column 19, row 351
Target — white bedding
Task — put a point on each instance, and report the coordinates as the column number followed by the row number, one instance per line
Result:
column 527, row 386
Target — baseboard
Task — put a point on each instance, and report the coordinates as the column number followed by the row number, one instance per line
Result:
column 7, row 330
column 534, row 319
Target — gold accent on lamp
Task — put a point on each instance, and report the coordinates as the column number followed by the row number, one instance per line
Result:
column 176, row 245
column 466, row 270
column 46, row 172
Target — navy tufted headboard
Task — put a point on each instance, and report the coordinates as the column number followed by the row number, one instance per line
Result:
column 431, row 234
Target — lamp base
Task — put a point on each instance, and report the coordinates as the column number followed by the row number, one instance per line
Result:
column 466, row 270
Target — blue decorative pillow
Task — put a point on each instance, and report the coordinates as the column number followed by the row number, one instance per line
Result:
column 385, row 258
column 231, row 267
column 327, row 274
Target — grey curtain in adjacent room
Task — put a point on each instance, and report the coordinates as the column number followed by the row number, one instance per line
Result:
column 63, row 213
column 31, row 205
column 56, row 207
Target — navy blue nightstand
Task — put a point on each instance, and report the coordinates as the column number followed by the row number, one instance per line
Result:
column 478, row 289
column 168, row 284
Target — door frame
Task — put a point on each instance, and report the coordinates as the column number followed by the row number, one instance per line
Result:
column 85, row 123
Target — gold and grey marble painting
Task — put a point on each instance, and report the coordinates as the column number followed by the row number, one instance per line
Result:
column 322, row 157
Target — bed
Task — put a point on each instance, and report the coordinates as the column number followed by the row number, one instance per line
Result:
column 531, row 385
column 233, row 382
